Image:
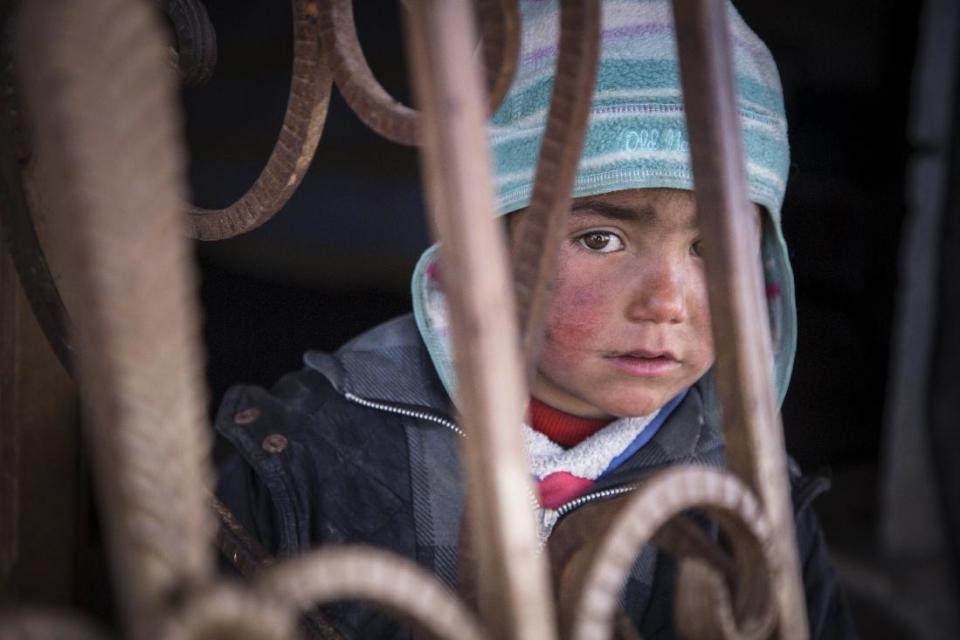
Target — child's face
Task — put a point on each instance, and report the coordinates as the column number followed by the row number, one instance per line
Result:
column 629, row 325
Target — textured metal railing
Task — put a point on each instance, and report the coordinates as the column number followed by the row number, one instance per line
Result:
column 101, row 110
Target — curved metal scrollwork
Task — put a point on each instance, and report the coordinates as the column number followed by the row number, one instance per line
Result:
column 27, row 256
column 16, row 222
column 591, row 591
column 267, row 609
column 395, row 584
column 499, row 24
column 230, row 611
column 293, row 151
column 370, row 101
column 196, row 46
column 113, row 159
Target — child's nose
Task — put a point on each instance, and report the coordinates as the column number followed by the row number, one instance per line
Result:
column 658, row 295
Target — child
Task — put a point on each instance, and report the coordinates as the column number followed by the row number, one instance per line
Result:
column 360, row 445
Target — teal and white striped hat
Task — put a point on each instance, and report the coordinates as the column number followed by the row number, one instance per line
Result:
column 636, row 138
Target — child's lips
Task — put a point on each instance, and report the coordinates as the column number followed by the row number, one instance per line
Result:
column 645, row 364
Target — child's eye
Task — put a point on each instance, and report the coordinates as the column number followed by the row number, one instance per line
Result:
column 697, row 248
column 601, row 241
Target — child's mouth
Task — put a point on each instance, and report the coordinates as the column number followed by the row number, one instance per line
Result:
column 645, row 364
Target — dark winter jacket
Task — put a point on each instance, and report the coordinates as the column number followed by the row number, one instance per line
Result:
column 360, row 447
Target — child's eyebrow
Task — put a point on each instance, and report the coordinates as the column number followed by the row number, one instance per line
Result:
column 614, row 212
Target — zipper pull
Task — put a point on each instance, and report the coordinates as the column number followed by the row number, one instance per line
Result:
column 548, row 518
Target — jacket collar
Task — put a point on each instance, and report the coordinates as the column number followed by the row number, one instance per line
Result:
column 388, row 363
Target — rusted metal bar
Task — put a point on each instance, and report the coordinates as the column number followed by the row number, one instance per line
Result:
column 395, row 584
column 196, row 46
column 499, row 25
column 590, row 595
column 513, row 594
column 20, row 236
column 29, row 265
column 755, row 446
column 116, row 164
column 536, row 240
column 236, row 543
column 371, row 102
column 296, row 143
column 251, row 559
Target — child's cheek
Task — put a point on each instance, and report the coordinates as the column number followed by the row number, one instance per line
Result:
column 577, row 315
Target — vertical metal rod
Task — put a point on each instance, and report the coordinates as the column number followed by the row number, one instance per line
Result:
column 536, row 240
column 513, row 593
column 113, row 161
column 755, row 446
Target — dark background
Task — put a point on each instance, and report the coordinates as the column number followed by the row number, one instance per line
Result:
column 337, row 259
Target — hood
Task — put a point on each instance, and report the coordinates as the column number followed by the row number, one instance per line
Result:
column 636, row 138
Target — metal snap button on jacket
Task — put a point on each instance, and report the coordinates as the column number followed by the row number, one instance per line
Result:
column 274, row 443
column 246, row 416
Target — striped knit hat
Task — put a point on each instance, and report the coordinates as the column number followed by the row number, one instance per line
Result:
column 636, row 138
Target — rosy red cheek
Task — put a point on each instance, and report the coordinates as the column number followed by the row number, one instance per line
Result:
column 576, row 315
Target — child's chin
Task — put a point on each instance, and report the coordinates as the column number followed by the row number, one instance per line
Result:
column 634, row 406
column 639, row 398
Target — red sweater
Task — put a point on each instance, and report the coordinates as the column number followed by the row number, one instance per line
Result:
column 564, row 429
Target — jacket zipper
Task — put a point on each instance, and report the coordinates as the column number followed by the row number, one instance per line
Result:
column 563, row 510
column 586, row 498
column 421, row 415
column 550, row 517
